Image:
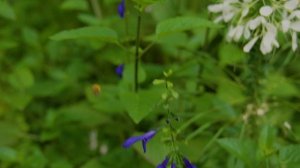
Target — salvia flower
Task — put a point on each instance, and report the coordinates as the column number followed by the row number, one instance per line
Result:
column 164, row 164
column 119, row 70
column 188, row 164
column 144, row 138
column 252, row 21
column 121, row 9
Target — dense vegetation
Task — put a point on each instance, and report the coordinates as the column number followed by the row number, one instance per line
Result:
column 66, row 101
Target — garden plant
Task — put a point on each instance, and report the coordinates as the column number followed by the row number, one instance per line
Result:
column 149, row 83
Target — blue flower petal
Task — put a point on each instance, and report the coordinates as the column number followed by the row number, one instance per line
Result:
column 130, row 141
column 121, row 9
column 173, row 165
column 119, row 70
column 146, row 137
column 188, row 164
column 164, row 164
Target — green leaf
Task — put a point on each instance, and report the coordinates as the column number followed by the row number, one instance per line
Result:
column 81, row 113
column 9, row 133
column 230, row 91
column 182, row 24
column 145, row 3
column 139, row 105
column 75, row 5
column 241, row 149
column 279, row 85
column 6, row 11
column 231, row 54
column 7, row 154
column 266, row 139
column 128, row 74
column 290, row 155
column 21, row 78
column 97, row 33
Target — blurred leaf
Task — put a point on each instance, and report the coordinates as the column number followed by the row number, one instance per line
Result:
column 182, row 24
column 9, row 133
column 81, row 113
column 93, row 163
column 75, row 5
column 21, row 78
column 230, row 54
column 139, row 105
column 278, row 85
column 128, row 74
column 7, row 154
column 41, row 88
column 230, row 92
column 242, row 149
column 97, row 33
column 290, row 155
column 266, row 139
column 7, row 11
column 35, row 159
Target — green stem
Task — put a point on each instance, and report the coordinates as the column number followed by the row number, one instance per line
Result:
column 137, row 55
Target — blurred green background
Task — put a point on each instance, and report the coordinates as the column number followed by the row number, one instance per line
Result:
column 51, row 118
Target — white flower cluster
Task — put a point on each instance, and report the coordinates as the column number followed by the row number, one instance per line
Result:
column 254, row 20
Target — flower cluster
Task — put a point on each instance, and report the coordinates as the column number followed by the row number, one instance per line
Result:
column 185, row 161
column 148, row 136
column 254, row 20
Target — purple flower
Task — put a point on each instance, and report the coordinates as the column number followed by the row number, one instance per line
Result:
column 119, row 70
column 173, row 165
column 164, row 164
column 121, row 9
column 188, row 164
column 144, row 138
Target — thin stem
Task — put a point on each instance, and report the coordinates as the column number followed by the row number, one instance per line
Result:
column 96, row 8
column 137, row 55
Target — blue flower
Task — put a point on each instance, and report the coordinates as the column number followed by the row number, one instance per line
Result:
column 144, row 138
column 119, row 70
column 188, row 164
column 164, row 164
column 121, row 9
column 173, row 165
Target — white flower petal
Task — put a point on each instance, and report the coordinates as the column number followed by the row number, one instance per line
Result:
column 238, row 32
column 228, row 16
column 231, row 33
column 294, row 41
column 250, row 44
column 216, row 8
column 247, row 33
column 245, row 12
column 218, row 19
column 266, row 11
column 254, row 23
column 291, row 4
column 294, row 14
column 285, row 25
column 295, row 26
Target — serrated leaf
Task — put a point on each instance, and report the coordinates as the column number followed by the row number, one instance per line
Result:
column 182, row 24
column 6, row 11
column 93, row 33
